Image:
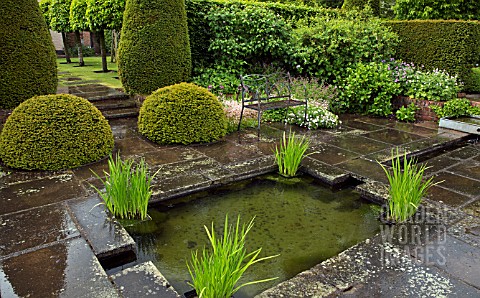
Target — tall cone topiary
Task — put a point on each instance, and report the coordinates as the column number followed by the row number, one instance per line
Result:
column 154, row 49
column 28, row 64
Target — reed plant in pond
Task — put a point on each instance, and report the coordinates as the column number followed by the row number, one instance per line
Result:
column 127, row 188
column 290, row 154
column 407, row 187
column 216, row 272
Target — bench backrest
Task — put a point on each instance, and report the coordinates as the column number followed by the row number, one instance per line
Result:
column 258, row 87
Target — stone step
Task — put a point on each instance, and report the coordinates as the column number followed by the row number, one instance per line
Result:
column 121, row 113
column 143, row 280
column 113, row 104
column 110, row 96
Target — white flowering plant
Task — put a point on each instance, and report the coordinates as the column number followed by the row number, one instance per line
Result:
column 317, row 117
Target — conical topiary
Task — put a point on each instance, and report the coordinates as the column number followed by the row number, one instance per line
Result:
column 154, row 49
column 27, row 61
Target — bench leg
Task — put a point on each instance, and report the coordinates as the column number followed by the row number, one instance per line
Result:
column 305, row 116
column 259, row 116
column 240, row 122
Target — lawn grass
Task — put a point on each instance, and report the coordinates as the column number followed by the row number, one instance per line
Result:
column 87, row 73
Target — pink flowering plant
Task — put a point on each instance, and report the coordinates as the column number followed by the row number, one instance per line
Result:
column 417, row 82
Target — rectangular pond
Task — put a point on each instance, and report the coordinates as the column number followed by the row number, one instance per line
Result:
column 300, row 219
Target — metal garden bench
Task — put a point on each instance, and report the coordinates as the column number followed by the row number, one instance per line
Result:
column 267, row 92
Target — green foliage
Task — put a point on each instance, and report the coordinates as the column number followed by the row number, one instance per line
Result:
column 290, row 154
column 217, row 272
column 316, row 91
column 407, row 113
column 416, row 82
column 456, row 108
column 453, row 46
column 360, row 4
column 244, row 36
column 104, row 14
column 201, row 34
column 407, row 187
column 78, row 15
column 45, row 9
column 218, row 80
column 59, row 11
column 28, row 60
column 437, row 9
column 183, row 113
column 53, row 132
column 127, row 188
column 154, row 49
column 367, row 88
column 327, row 47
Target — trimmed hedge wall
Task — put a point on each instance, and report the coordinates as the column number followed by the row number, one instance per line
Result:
column 200, row 32
column 450, row 45
column 154, row 49
column 53, row 132
column 28, row 65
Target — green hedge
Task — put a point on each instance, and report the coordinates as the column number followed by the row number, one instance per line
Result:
column 201, row 34
column 182, row 114
column 53, row 132
column 154, row 49
column 450, row 45
column 28, row 65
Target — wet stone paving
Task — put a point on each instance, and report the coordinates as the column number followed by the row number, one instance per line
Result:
column 57, row 241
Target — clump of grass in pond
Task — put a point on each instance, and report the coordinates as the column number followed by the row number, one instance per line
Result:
column 215, row 273
column 127, row 188
column 407, row 187
column 290, row 154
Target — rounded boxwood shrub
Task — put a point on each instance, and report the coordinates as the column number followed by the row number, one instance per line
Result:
column 53, row 132
column 154, row 49
column 183, row 113
column 27, row 60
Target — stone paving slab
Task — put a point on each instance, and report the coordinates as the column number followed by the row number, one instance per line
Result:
column 458, row 183
column 447, row 196
column 467, row 230
column 360, row 168
column 414, row 129
column 393, row 136
column 35, row 193
column 64, row 269
column 143, row 280
column 330, row 154
column 358, row 144
column 108, row 238
column 35, row 227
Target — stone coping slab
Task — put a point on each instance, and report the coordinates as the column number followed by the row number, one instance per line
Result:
column 110, row 242
column 143, row 280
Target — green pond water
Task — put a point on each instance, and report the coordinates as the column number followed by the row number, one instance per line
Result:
column 302, row 220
